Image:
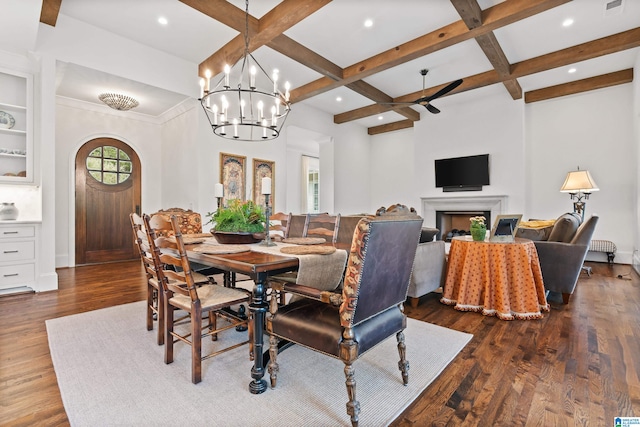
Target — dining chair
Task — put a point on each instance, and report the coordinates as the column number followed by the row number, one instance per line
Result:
column 322, row 225
column 281, row 226
column 155, row 294
column 154, row 289
column 210, row 300
column 367, row 311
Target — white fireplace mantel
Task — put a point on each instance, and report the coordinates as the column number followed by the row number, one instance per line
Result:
column 496, row 204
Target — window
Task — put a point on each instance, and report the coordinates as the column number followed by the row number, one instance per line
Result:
column 310, row 184
column 109, row 165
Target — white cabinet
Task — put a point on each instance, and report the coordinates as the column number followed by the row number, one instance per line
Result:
column 18, row 255
column 16, row 135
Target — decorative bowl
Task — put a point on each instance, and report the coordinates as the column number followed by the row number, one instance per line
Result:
column 237, row 238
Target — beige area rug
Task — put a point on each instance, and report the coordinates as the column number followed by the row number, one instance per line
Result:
column 111, row 373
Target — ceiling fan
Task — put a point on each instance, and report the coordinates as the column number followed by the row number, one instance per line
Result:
column 426, row 100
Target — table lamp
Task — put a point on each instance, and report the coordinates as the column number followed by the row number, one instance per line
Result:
column 579, row 184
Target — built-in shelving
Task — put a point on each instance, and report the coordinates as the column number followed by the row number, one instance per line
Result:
column 16, row 143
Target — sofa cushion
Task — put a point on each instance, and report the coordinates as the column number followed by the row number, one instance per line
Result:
column 565, row 227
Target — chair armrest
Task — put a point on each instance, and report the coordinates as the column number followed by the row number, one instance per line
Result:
column 327, row 297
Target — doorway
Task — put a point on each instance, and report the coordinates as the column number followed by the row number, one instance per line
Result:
column 107, row 190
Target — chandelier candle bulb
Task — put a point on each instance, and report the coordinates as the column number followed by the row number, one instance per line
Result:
column 260, row 110
column 264, row 128
column 215, row 113
column 235, row 128
column 218, row 190
column 242, row 104
column 207, row 74
column 252, row 82
column 202, row 89
column 273, row 116
column 266, row 185
column 227, row 71
column 275, row 82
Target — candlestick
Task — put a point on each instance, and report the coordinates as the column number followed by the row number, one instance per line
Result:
column 252, row 78
column 266, row 185
column 201, row 88
column 218, row 190
column 267, row 238
column 207, row 74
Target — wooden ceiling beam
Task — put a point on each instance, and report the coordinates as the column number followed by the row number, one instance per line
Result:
column 279, row 19
column 224, row 12
column 390, row 127
column 471, row 14
column 615, row 43
column 49, row 12
column 305, row 56
column 495, row 17
column 579, row 86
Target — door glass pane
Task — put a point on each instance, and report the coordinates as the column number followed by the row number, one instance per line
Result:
column 94, row 164
column 109, row 165
column 110, row 152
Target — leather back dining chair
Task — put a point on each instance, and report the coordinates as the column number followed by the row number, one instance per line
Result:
column 367, row 311
column 322, row 225
column 182, row 293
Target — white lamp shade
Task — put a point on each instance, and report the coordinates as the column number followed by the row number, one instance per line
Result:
column 579, row 181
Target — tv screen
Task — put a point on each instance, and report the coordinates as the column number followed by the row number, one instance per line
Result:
column 461, row 172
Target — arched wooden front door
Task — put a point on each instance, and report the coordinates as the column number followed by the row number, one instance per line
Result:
column 107, row 191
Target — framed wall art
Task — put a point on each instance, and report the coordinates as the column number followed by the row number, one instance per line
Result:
column 232, row 176
column 263, row 169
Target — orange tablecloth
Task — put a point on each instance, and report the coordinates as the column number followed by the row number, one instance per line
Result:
column 500, row 279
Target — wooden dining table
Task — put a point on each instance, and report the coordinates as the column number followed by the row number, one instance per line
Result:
column 259, row 266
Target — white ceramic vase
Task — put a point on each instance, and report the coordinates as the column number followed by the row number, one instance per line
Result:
column 8, row 211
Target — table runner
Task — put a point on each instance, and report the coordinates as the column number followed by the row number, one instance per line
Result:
column 322, row 272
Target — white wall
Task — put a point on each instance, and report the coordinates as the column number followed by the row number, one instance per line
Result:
column 403, row 161
column 593, row 130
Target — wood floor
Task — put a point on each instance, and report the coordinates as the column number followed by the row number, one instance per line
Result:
column 580, row 365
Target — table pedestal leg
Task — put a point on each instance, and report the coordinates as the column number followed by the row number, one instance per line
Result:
column 259, row 309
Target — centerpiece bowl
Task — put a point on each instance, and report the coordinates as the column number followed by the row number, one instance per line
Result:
column 237, row 237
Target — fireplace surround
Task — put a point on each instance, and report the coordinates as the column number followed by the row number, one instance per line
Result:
column 495, row 205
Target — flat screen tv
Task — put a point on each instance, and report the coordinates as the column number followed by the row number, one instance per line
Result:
column 468, row 173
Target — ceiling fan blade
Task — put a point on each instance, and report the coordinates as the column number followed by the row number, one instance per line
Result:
column 448, row 88
column 432, row 109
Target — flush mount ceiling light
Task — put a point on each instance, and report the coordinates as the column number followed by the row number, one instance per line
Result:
column 249, row 109
column 118, row 101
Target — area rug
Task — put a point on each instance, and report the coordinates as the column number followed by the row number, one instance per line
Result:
column 111, row 373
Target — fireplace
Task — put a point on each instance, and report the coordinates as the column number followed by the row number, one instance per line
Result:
column 460, row 209
column 456, row 223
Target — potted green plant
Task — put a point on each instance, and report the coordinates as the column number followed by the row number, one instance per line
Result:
column 239, row 222
column 478, row 228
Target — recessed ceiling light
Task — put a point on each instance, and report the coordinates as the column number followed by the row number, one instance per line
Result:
column 567, row 22
column 380, row 117
column 339, row 99
column 368, row 23
column 572, row 70
column 162, row 20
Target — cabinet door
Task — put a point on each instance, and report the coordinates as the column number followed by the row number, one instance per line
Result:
column 16, row 150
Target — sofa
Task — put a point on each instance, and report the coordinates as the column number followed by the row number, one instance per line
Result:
column 429, row 267
column 562, row 249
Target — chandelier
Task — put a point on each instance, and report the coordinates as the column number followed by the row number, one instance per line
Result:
column 118, row 101
column 249, row 106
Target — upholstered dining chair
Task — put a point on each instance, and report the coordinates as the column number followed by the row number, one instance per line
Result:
column 153, row 272
column 322, row 225
column 347, row 324
column 209, row 300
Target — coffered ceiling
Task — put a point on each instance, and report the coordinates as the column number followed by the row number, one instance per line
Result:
column 516, row 49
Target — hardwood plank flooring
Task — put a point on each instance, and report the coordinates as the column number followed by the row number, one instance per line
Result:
column 579, row 365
